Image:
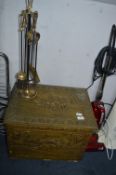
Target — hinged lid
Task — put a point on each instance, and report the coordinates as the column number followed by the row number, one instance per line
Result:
column 54, row 107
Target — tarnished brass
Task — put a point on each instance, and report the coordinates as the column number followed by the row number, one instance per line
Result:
column 48, row 126
column 27, row 77
column 34, row 74
column 29, row 91
column 21, row 76
column 35, row 16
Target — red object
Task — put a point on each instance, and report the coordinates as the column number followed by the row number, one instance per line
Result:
column 99, row 112
column 93, row 144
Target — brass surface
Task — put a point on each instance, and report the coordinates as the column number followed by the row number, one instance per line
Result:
column 21, row 76
column 35, row 76
column 29, row 38
column 46, row 127
column 29, row 92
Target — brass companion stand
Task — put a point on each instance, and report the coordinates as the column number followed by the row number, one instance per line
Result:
column 27, row 77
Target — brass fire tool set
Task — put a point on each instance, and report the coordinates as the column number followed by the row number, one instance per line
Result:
column 27, row 77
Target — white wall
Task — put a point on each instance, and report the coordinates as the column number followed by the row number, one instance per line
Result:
column 107, row 1
column 72, row 34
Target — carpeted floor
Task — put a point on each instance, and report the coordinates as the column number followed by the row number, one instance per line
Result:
column 92, row 164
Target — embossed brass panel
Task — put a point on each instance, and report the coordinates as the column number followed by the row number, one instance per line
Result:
column 47, row 127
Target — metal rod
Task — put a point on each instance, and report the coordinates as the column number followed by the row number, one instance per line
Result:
column 36, row 56
column 32, row 50
column 26, row 3
column 28, row 45
column 21, row 54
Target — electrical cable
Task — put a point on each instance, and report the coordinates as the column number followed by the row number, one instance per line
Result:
column 105, row 62
column 92, row 83
column 105, row 103
column 99, row 68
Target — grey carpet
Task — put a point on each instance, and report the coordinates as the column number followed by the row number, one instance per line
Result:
column 92, row 164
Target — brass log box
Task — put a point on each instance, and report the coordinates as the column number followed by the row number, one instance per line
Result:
column 57, row 124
